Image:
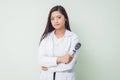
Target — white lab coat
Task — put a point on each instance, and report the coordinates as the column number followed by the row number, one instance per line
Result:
column 48, row 53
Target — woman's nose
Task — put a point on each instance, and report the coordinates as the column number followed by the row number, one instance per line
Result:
column 56, row 20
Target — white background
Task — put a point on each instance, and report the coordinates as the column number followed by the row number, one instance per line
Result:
column 96, row 22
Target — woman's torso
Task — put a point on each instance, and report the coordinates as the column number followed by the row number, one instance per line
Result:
column 58, row 47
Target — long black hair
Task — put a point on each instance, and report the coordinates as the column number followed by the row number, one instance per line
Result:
column 49, row 27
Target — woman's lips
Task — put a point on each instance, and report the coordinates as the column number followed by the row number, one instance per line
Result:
column 57, row 24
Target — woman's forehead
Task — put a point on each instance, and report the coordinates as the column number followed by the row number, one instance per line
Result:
column 56, row 13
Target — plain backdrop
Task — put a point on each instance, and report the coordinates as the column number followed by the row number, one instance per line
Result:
column 96, row 22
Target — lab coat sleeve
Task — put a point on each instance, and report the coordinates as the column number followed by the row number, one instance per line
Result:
column 63, row 67
column 44, row 60
column 69, row 66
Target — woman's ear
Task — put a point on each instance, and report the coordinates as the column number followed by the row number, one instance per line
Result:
column 65, row 19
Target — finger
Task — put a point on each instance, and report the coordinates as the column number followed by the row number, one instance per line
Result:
column 44, row 69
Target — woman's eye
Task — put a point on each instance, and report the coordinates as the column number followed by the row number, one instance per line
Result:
column 59, row 17
column 52, row 18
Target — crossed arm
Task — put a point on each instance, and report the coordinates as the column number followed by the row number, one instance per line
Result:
column 59, row 63
column 62, row 59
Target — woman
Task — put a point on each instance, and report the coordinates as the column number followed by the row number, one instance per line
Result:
column 56, row 47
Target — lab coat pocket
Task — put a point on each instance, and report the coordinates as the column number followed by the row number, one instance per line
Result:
column 43, row 76
column 70, row 77
column 46, row 76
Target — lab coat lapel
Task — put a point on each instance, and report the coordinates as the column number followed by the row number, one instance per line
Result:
column 50, row 46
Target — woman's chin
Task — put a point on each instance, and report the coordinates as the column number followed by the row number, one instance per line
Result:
column 57, row 27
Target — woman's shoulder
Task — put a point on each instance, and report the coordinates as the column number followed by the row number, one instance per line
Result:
column 47, row 36
column 71, row 34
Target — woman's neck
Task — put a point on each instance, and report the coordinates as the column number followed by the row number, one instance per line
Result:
column 59, row 33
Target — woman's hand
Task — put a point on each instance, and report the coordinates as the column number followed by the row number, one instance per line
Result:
column 44, row 68
column 65, row 59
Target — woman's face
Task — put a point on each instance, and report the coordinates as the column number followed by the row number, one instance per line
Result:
column 57, row 20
